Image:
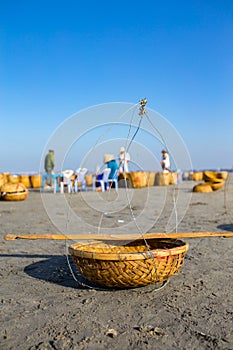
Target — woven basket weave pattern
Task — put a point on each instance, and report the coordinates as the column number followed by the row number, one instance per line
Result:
column 131, row 266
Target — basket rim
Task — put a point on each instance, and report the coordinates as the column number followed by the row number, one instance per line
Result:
column 80, row 250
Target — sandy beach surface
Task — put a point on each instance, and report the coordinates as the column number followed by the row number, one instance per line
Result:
column 43, row 306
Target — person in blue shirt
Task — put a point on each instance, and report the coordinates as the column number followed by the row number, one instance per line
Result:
column 111, row 163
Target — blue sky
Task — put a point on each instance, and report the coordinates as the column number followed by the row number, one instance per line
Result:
column 60, row 57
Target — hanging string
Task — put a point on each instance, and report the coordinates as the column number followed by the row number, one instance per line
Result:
column 142, row 112
column 70, row 199
column 108, row 129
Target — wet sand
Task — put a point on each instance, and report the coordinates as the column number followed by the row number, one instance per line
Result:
column 44, row 307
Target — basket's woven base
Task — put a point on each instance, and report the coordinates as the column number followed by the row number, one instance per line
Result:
column 130, row 273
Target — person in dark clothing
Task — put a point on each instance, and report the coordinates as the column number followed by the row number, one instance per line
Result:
column 49, row 165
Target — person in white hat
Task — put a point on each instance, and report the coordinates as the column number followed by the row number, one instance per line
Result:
column 124, row 161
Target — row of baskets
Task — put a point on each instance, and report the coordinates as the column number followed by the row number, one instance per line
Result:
column 28, row 181
column 136, row 179
column 203, row 175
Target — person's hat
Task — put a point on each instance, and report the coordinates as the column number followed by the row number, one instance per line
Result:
column 122, row 149
column 108, row 158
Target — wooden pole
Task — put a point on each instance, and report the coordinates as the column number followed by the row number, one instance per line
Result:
column 128, row 237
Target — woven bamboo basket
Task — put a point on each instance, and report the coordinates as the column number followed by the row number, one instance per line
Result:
column 139, row 179
column 2, row 180
column 131, row 265
column 173, row 178
column 14, row 179
column 198, row 176
column 14, row 192
column 151, row 178
column 24, row 179
column 203, row 187
column 222, row 175
column 6, row 176
column 216, row 185
column 209, row 176
column 36, row 180
column 162, row 179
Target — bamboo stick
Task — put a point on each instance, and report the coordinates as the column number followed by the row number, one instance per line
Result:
column 129, row 237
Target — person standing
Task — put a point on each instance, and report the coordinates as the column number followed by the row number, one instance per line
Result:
column 124, row 158
column 49, row 165
column 165, row 163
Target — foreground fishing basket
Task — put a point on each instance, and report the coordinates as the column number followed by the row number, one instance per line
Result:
column 128, row 266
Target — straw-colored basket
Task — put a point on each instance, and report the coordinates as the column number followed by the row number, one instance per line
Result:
column 25, row 179
column 14, row 192
column 133, row 265
column 2, row 179
column 209, row 176
column 36, row 180
column 173, row 177
column 139, row 179
column 151, row 178
column 222, row 175
column 162, row 179
column 216, row 185
column 203, row 187
column 198, row 176
column 14, row 179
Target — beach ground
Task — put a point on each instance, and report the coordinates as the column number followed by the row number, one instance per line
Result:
column 43, row 306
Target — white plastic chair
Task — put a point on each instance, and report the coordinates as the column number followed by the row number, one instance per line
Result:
column 103, row 181
column 67, row 175
column 115, row 181
column 81, row 172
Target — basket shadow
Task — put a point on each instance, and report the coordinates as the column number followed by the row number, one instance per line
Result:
column 56, row 270
column 226, row 227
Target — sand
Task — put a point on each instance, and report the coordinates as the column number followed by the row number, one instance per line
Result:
column 44, row 307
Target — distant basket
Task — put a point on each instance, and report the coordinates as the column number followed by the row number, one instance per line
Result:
column 209, row 175
column 222, row 175
column 173, row 178
column 151, row 178
column 216, row 185
column 198, row 176
column 25, row 179
column 129, row 266
column 139, row 179
column 14, row 192
column 203, row 187
column 14, row 179
column 162, row 179
column 2, row 179
column 36, row 180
